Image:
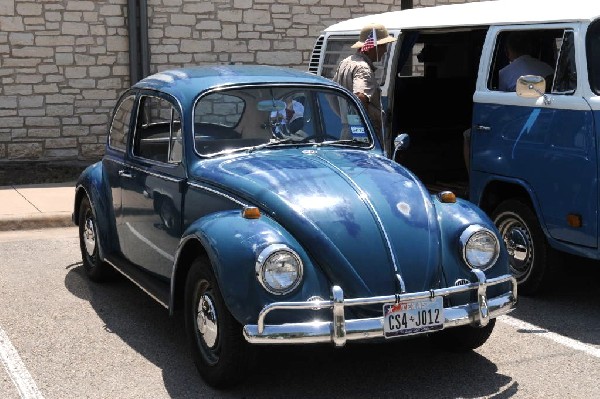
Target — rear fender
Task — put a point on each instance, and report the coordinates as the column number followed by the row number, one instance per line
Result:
column 91, row 184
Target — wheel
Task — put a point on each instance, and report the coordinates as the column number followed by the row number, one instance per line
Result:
column 530, row 257
column 464, row 338
column 96, row 269
column 219, row 350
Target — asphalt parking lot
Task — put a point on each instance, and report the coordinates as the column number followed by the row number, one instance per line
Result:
column 63, row 336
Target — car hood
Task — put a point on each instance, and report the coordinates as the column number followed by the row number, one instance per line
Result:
column 361, row 217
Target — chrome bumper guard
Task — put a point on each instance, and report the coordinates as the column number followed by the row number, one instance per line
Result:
column 341, row 330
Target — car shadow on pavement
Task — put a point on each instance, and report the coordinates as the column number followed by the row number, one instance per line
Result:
column 570, row 304
column 406, row 368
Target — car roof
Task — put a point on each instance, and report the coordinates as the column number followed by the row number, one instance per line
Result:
column 188, row 82
column 478, row 14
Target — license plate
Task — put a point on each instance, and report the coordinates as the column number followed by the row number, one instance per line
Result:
column 413, row 317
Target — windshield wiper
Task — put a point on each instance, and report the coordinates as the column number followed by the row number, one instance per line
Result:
column 271, row 143
column 347, row 142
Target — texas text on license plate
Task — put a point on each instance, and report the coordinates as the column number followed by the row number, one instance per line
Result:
column 413, row 317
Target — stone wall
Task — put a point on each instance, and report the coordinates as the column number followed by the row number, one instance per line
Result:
column 63, row 63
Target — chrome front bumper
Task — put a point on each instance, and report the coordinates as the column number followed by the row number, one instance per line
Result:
column 340, row 330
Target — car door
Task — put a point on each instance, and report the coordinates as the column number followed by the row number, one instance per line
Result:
column 546, row 144
column 118, row 139
column 152, row 180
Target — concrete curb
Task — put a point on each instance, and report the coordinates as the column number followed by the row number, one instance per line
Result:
column 36, row 221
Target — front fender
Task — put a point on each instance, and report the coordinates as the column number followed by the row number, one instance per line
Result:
column 233, row 244
column 91, row 184
column 454, row 218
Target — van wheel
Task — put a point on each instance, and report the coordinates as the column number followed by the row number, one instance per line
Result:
column 531, row 258
column 219, row 350
column 464, row 338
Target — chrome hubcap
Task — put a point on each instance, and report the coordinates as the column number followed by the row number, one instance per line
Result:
column 89, row 236
column 206, row 319
column 519, row 245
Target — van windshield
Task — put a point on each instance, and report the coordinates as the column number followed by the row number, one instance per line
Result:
column 593, row 55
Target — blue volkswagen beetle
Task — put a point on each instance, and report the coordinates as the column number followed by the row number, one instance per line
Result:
column 259, row 202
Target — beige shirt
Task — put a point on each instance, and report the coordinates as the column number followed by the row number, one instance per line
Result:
column 357, row 74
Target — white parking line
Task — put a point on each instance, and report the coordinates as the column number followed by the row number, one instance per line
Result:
column 16, row 369
column 559, row 339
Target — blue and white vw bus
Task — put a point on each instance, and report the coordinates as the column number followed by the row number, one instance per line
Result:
column 532, row 163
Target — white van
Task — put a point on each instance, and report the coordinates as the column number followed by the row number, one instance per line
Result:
column 534, row 162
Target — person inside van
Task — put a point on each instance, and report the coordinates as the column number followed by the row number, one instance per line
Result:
column 518, row 51
column 357, row 72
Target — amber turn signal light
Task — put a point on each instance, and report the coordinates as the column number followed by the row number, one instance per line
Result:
column 447, row 197
column 574, row 220
column 251, row 212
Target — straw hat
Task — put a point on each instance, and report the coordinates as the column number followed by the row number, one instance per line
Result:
column 380, row 32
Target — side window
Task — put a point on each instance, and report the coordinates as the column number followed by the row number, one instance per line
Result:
column 119, row 129
column 158, row 131
column 219, row 109
column 339, row 48
column 549, row 53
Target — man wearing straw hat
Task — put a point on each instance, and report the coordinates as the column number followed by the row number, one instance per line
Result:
column 357, row 72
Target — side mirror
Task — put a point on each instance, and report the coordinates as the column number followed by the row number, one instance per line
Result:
column 401, row 143
column 532, row 86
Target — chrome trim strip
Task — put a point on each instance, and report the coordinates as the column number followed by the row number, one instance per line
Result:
column 339, row 330
column 161, row 176
column 215, row 191
column 136, row 283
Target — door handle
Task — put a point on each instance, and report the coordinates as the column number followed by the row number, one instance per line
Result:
column 125, row 173
column 483, row 128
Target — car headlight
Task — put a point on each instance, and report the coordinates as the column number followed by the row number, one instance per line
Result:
column 480, row 247
column 279, row 269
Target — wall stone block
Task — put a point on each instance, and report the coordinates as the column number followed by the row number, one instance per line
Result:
column 21, row 39
column 12, row 24
column 13, row 122
column 25, row 150
column 7, row 7
column 43, row 133
column 8, row 102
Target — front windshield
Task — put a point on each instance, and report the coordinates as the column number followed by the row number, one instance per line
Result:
column 248, row 117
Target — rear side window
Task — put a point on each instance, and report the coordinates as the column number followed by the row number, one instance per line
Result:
column 549, row 53
column 340, row 47
column 593, row 55
column 119, row 129
column 158, row 131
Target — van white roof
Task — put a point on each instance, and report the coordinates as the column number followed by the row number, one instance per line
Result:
column 477, row 14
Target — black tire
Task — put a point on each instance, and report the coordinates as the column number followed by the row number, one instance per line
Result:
column 531, row 259
column 219, row 350
column 94, row 267
column 464, row 338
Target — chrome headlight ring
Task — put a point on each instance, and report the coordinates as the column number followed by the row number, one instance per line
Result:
column 479, row 247
column 279, row 269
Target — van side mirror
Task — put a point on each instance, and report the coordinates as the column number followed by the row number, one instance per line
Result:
column 532, row 86
column 401, row 143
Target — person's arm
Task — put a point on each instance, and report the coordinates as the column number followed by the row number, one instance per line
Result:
column 360, row 85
